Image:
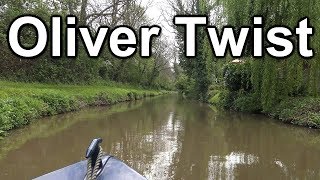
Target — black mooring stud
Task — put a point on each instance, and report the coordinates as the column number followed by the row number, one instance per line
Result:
column 94, row 148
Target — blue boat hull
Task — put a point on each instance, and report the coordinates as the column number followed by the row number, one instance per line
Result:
column 112, row 169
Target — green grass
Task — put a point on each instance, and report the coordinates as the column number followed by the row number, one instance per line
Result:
column 304, row 111
column 20, row 103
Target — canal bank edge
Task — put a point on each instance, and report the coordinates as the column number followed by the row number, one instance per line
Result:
column 21, row 103
column 301, row 111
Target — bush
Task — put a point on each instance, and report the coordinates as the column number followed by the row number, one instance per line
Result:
column 15, row 112
column 235, row 100
column 247, row 103
column 215, row 97
column 227, row 99
column 56, row 103
column 299, row 110
column 238, row 76
column 185, row 85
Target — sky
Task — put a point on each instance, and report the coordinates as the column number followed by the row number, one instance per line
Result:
column 154, row 11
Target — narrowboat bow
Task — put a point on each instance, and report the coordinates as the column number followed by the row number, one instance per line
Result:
column 98, row 166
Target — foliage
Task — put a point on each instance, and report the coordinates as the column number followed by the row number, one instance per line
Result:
column 299, row 110
column 185, row 85
column 286, row 88
column 278, row 79
column 227, row 99
column 234, row 100
column 198, row 68
column 82, row 70
column 216, row 96
column 237, row 76
column 247, row 103
column 20, row 102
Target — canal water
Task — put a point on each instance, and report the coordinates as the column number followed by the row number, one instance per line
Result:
column 167, row 138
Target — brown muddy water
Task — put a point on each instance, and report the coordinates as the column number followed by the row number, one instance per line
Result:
column 167, row 138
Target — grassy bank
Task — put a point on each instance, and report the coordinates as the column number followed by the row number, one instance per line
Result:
column 303, row 111
column 20, row 103
column 57, row 124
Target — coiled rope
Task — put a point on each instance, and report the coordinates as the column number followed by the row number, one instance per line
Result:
column 92, row 172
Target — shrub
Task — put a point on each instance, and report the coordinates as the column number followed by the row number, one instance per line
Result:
column 57, row 103
column 247, row 103
column 238, row 76
column 235, row 100
column 15, row 112
column 215, row 97
column 299, row 110
column 227, row 99
column 185, row 85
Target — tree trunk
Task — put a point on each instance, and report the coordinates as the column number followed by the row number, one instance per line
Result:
column 83, row 13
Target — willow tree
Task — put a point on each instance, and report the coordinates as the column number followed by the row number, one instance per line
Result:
column 274, row 80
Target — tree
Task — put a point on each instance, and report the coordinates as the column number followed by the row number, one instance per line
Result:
column 274, row 80
column 82, row 69
column 195, row 68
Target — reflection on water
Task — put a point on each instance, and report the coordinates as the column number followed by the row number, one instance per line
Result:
column 225, row 167
column 167, row 147
column 167, row 138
